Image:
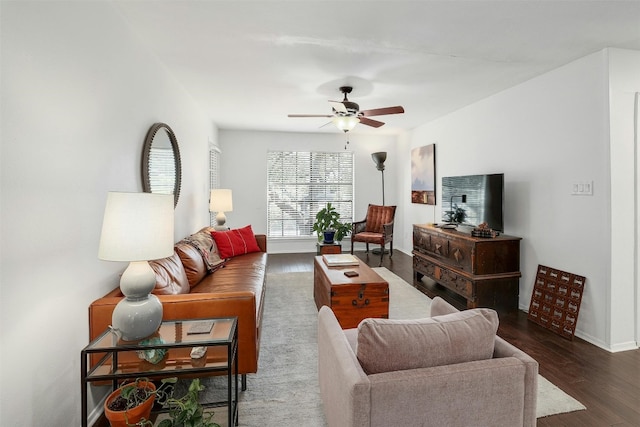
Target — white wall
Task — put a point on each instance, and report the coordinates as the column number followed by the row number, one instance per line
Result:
column 544, row 135
column 624, row 83
column 244, row 170
column 78, row 96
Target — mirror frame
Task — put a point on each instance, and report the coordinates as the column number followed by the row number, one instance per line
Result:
column 146, row 152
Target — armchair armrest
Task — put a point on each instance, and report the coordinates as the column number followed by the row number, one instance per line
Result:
column 344, row 386
column 387, row 229
column 504, row 349
column 358, row 226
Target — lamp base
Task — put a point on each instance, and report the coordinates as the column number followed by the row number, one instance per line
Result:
column 221, row 219
column 137, row 318
column 377, row 251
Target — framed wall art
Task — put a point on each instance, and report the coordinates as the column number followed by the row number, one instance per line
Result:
column 423, row 175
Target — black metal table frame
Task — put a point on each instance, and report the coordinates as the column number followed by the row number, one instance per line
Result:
column 232, row 365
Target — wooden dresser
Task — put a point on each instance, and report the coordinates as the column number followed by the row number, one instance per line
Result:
column 485, row 271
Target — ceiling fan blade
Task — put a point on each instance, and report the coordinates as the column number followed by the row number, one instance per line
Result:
column 370, row 122
column 383, row 111
column 338, row 106
column 310, row 115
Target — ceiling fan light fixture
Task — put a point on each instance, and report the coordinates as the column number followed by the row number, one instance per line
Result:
column 346, row 123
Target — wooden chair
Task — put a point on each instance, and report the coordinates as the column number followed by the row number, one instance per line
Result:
column 377, row 228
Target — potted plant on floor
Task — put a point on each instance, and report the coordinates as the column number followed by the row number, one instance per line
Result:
column 130, row 405
column 185, row 411
column 328, row 225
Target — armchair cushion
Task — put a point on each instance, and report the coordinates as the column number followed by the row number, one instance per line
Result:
column 377, row 216
column 386, row 345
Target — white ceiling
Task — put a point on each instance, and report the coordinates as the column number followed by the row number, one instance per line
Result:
column 250, row 63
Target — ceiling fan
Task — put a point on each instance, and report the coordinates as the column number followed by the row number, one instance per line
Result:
column 347, row 114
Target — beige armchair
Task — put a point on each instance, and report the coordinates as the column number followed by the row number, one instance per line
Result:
column 436, row 387
column 376, row 228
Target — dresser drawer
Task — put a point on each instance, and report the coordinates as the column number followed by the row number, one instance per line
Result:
column 448, row 278
column 461, row 255
column 430, row 244
column 457, row 283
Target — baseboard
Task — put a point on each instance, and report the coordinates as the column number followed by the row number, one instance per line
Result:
column 631, row 345
column 95, row 413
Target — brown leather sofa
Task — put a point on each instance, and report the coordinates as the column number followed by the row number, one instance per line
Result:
column 192, row 284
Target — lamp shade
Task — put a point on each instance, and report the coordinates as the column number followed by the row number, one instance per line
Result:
column 379, row 158
column 220, row 200
column 137, row 227
column 346, row 123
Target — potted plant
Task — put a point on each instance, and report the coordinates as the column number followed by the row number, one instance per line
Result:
column 130, row 404
column 328, row 225
column 186, row 411
column 456, row 215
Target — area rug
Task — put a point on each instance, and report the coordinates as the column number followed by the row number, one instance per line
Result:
column 285, row 390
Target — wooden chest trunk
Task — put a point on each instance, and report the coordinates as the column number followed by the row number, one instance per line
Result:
column 352, row 299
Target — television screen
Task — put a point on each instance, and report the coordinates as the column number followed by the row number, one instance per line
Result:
column 474, row 199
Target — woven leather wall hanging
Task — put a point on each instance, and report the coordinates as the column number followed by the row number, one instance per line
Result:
column 556, row 298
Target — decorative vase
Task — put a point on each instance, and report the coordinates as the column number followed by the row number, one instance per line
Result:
column 328, row 236
column 132, row 415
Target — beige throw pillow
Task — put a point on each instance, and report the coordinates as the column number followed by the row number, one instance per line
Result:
column 386, row 345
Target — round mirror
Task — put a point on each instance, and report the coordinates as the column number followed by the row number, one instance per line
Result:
column 161, row 169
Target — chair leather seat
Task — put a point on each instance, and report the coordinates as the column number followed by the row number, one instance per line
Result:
column 369, row 237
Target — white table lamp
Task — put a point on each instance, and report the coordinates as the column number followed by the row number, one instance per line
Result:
column 137, row 227
column 221, row 202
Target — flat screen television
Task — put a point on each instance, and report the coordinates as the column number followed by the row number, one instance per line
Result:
column 475, row 199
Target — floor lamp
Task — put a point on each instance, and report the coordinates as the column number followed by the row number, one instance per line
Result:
column 379, row 159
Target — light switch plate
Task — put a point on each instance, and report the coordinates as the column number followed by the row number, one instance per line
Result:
column 582, row 188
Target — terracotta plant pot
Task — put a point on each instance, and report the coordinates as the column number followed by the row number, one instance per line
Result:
column 133, row 415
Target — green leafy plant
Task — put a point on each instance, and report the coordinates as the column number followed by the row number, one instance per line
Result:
column 456, row 215
column 186, row 411
column 327, row 219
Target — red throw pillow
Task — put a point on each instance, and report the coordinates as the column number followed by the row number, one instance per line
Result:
column 235, row 242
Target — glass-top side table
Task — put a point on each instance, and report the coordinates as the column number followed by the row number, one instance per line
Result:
column 114, row 360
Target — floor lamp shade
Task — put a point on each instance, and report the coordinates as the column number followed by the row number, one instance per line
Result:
column 137, row 227
column 379, row 158
column 221, row 201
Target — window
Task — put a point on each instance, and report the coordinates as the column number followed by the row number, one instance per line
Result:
column 300, row 184
column 214, row 177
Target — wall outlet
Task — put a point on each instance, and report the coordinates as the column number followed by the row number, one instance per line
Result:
column 582, row 188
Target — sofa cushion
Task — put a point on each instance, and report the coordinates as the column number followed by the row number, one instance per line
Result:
column 171, row 278
column 440, row 307
column 235, row 242
column 205, row 244
column 391, row 345
column 192, row 261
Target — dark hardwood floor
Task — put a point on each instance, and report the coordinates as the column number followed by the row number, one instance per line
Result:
column 608, row 384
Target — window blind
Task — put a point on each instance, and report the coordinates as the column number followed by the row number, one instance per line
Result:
column 162, row 170
column 300, row 183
